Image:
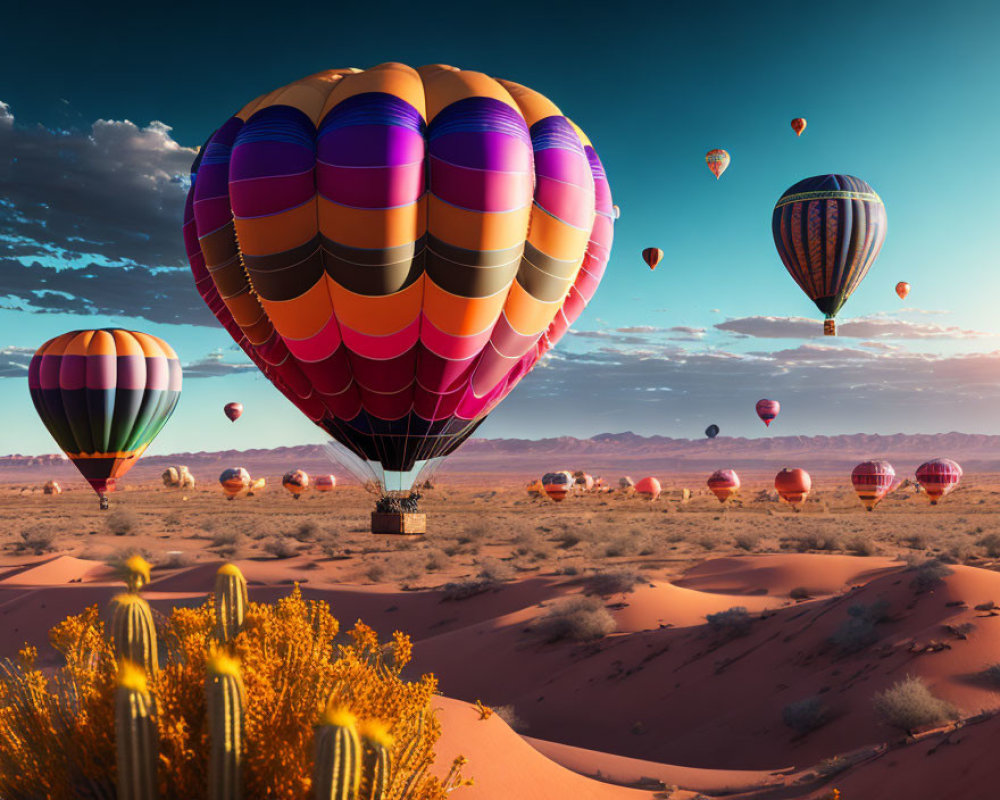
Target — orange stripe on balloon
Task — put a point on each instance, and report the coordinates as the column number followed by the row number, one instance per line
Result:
column 372, row 228
column 461, row 316
column 478, row 230
column 444, row 85
column 377, row 316
column 276, row 233
column 303, row 316
column 527, row 314
column 558, row 239
column 398, row 80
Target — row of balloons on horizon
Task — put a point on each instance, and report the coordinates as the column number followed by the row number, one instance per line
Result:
column 872, row 481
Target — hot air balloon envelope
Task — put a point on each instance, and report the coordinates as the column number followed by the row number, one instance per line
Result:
column 798, row 125
column 324, row 483
column 233, row 410
column 234, row 481
column 873, row 480
column 724, row 483
column 295, row 482
column 648, row 488
column 712, row 431
column 938, row 477
column 767, row 410
column 557, row 485
column 652, row 256
column 717, row 161
column 793, row 485
column 902, row 289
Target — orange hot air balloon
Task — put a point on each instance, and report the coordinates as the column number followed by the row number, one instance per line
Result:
column 257, row 487
column 535, row 488
column 798, row 125
column 902, row 289
column 652, row 256
column 724, row 483
column 717, row 161
column 52, row 487
column 324, row 483
column 557, row 485
column 583, row 481
column 649, row 488
column 938, row 477
column 872, row 481
column 295, row 482
column 234, row 480
column 793, row 486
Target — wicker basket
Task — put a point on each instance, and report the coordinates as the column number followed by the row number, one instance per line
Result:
column 399, row 522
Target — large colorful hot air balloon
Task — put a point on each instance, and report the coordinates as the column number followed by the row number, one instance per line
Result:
column 938, row 477
column 717, row 161
column 798, row 125
column 712, row 431
column 872, row 481
column 902, row 289
column 828, row 231
column 324, row 483
column 649, row 488
column 234, row 481
column 557, row 485
column 652, row 256
column 104, row 395
column 724, row 483
column 233, row 410
column 397, row 248
column 793, row 486
column 295, row 482
column 767, row 410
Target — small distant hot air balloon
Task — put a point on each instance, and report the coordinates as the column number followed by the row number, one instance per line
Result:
column 324, row 483
column 104, row 395
column 583, row 480
column 793, row 486
column 233, row 410
column 295, row 482
column 617, row 212
column 652, row 256
column 872, row 481
column 234, row 481
column 767, row 410
column 712, row 431
column 828, row 231
column 938, row 477
column 257, row 487
column 557, row 485
column 718, row 162
column 626, row 484
column 52, row 487
column 171, row 478
column 535, row 488
column 724, row 483
column 798, row 125
column 902, row 289
column 649, row 488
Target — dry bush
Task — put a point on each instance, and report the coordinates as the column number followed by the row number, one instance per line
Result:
column 474, row 533
column 991, row 675
column 814, row 540
column 858, row 631
column 612, row 581
column 225, row 538
column 172, row 520
column 375, row 572
column 928, row 575
column 509, row 715
column 175, row 559
column 806, row 715
column 747, row 540
column 38, row 540
column 910, row 704
column 306, row 531
column 567, row 539
column 991, row 544
column 577, row 619
column 464, row 589
column 122, row 522
column 861, row 545
column 436, row 560
column 731, row 623
column 280, row 547
column 800, row 593
column 495, row 571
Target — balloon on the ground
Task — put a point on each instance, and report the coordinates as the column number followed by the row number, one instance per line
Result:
column 324, row 483
column 557, row 485
column 178, row 478
column 104, row 395
column 798, row 125
column 233, row 410
column 938, row 477
column 828, row 231
column 717, row 161
column 902, row 289
column 767, row 410
column 257, row 486
column 535, row 488
column 649, row 488
column 396, row 249
column 652, row 256
column 793, row 486
column 724, row 483
column 626, row 484
column 712, row 431
column 52, row 487
column 873, row 480
column 295, row 481
column 234, row 481
column 583, row 480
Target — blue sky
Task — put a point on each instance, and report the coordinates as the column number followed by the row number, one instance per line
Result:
column 102, row 115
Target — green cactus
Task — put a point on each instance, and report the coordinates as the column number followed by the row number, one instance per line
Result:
column 226, row 700
column 133, row 632
column 230, row 602
column 337, row 774
column 135, row 735
column 377, row 762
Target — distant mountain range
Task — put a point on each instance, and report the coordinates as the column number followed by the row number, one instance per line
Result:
column 607, row 454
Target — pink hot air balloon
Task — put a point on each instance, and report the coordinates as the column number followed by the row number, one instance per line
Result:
column 648, row 488
column 872, row 481
column 233, row 411
column 767, row 410
column 324, row 483
column 724, row 483
column 938, row 477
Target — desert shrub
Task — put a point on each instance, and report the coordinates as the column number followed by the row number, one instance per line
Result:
column 731, row 623
column 462, row 590
column 991, row 674
column 172, row 520
column 435, row 560
column 509, row 715
column 800, row 593
column 958, row 553
column 747, row 540
column 280, row 547
column 804, row 716
column 705, row 541
column 928, row 575
column 861, row 545
column 577, row 619
column 917, row 541
column 858, row 631
column 609, row 582
column 495, row 570
column 306, row 531
column 619, row 546
column 910, row 704
column 225, row 538
column 375, row 572
column 567, row 539
column 37, row 540
column 816, row 540
column 122, row 522
column 59, row 730
column 474, row 533
column 991, row 544
column 175, row 559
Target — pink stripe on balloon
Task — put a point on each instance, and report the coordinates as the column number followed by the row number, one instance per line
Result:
column 73, row 373
column 265, row 196
column 371, row 187
column 442, row 374
column 480, row 190
column 318, row 346
column 451, row 347
column 129, row 372
column 382, row 347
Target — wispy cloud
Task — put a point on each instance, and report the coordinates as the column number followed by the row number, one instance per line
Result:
column 215, row 365
column 14, row 360
column 874, row 327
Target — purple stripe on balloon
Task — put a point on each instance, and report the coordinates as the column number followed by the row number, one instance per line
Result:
column 131, row 372
column 269, row 159
column 570, row 204
column 49, row 372
column 371, row 187
column 480, row 190
column 370, row 146
column 73, row 372
column 483, row 150
column 265, row 196
column 102, row 372
column 565, row 166
column 35, row 373
column 157, row 373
